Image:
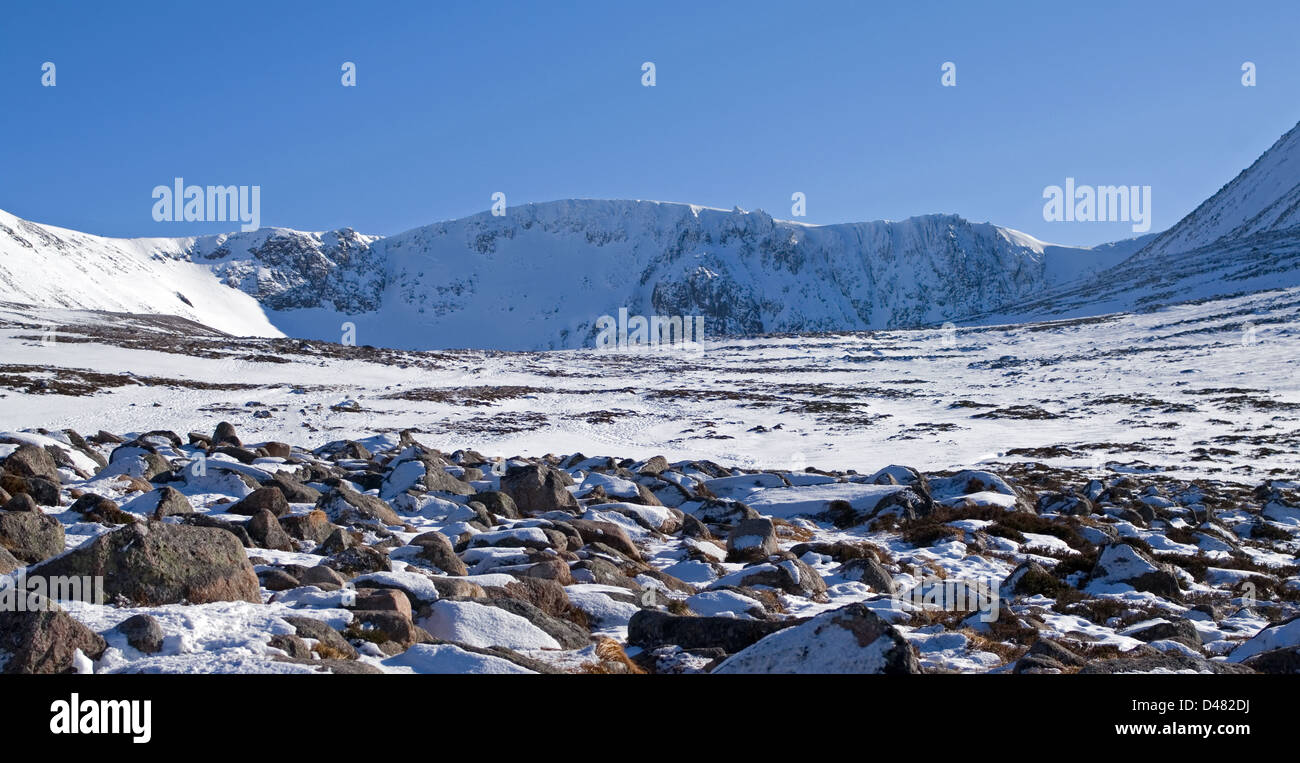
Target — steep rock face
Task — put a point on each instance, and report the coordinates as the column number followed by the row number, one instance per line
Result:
column 286, row 269
column 542, row 275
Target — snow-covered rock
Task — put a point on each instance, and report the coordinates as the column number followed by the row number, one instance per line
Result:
column 852, row 639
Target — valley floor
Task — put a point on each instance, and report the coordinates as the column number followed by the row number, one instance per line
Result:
column 1123, row 488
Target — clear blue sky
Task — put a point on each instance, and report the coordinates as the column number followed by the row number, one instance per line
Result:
column 543, row 100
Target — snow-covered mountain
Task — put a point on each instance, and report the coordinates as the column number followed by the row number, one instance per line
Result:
column 1244, row 238
column 1263, row 198
column 53, row 267
column 542, row 275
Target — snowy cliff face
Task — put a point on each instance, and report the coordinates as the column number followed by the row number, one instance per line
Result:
column 1263, row 198
column 287, row 269
column 541, row 275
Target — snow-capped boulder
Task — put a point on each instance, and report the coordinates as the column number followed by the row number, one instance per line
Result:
column 1283, row 635
column 1122, row 563
column 482, row 625
column 851, row 639
column 445, row 659
column 752, row 540
column 344, row 506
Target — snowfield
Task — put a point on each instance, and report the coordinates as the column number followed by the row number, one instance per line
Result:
column 1126, row 484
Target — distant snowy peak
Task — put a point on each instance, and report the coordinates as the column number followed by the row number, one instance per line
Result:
column 1263, row 198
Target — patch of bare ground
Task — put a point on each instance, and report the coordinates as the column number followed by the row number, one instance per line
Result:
column 1022, row 412
column 78, row 382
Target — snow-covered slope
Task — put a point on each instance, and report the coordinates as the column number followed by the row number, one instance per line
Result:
column 540, row 276
column 53, row 267
column 1263, row 198
column 1245, row 238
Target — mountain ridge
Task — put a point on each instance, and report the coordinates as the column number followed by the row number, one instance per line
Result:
column 542, row 275
column 738, row 269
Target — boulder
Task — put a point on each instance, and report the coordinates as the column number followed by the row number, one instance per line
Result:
column 382, row 599
column 156, row 563
column 32, row 461
column 384, row 626
column 30, row 536
column 320, row 575
column 142, row 632
column 171, row 501
column 1166, row 662
column 265, row 531
column 358, row 560
column 313, row 526
column 21, row 502
column 8, row 562
column 330, row 643
column 1284, row 661
column 262, row 499
column 851, row 639
column 436, row 549
column 790, row 575
column 483, row 625
column 45, row 640
column 870, row 573
column 225, row 435
column 1047, row 656
column 276, row 579
column 294, row 491
column 1122, row 563
column 96, row 508
column 343, row 506
column 752, row 540
column 651, row 628
column 608, row 533
column 538, row 488
column 40, row 490
column 565, row 632
column 498, row 504
column 1168, row 629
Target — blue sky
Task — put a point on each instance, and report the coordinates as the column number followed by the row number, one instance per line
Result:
column 754, row 101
